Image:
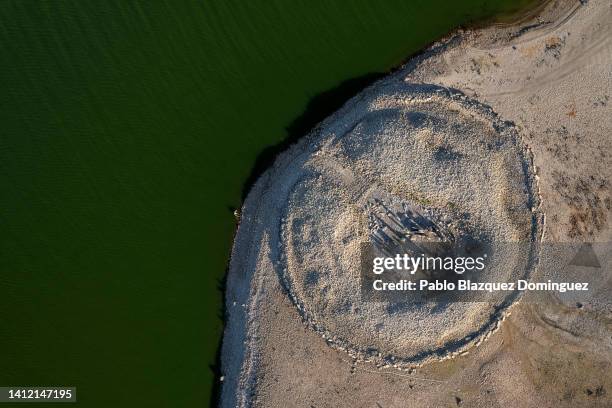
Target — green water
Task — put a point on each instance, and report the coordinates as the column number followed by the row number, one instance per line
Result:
column 127, row 132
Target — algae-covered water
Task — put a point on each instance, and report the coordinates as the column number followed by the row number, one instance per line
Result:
column 128, row 130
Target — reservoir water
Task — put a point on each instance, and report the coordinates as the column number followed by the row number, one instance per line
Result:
column 129, row 131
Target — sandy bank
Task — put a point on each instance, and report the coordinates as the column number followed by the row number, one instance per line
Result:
column 502, row 133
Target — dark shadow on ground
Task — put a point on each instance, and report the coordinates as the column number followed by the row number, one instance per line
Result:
column 318, row 108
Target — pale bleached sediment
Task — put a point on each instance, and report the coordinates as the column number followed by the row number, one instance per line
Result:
column 288, row 343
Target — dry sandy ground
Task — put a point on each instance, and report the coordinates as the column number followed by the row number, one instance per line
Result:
column 552, row 78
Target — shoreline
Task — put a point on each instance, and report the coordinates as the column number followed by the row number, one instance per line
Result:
column 251, row 293
column 348, row 89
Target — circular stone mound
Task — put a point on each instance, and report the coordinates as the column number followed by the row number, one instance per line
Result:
column 393, row 169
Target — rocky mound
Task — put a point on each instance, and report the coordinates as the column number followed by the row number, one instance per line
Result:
column 421, row 163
